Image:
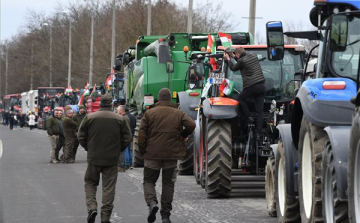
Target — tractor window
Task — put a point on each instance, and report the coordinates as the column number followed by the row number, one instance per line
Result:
column 14, row 101
column 346, row 63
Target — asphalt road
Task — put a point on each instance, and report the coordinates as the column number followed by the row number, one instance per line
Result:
column 33, row 190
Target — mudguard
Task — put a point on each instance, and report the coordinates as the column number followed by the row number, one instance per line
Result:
column 327, row 107
column 220, row 108
column 339, row 139
column 274, row 149
column 291, row 159
column 188, row 104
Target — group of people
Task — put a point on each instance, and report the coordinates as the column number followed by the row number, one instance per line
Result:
column 105, row 135
column 14, row 119
column 62, row 132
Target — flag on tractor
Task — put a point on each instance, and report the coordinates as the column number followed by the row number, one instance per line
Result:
column 108, row 80
column 86, row 91
column 225, row 40
column 68, row 90
column 94, row 89
column 227, row 87
column 211, row 48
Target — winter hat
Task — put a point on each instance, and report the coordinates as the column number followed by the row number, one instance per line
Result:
column 106, row 100
column 67, row 107
column 164, row 94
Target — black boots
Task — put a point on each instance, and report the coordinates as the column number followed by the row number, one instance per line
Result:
column 153, row 209
column 91, row 216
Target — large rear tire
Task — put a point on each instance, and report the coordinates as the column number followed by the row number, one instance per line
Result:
column 218, row 174
column 138, row 160
column 287, row 207
column 270, row 186
column 186, row 166
column 334, row 209
column 311, row 145
column 354, row 172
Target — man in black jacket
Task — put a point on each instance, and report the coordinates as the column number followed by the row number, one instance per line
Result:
column 253, row 83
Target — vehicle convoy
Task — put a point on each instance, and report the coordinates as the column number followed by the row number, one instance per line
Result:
column 157, row 62
column 316, row 174
column 228, row 157
column 48, row 99
column 12, row 102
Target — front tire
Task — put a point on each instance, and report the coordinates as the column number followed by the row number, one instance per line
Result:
column 138, row 160
column 354, row 172
column 218, row 174
column 311, row 145
column 334, row 209
column 270, row 186
column 186, row 166
column 287, row 207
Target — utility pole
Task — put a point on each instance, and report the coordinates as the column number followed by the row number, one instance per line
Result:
column 148, row 18
column 50, row 67
column 69, row 71
column 0, row 70
column 6, row 71
column 91, row 50
column 190, row 15
column 31, row 68
column 252, row 14
column 113, row 45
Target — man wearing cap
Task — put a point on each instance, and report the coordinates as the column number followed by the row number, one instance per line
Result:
column 103, row 134
column 162, row 133
column 70, row 127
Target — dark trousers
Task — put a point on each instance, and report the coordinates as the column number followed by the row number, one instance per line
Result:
column 109, row 178
column 70, row 148
column 151, row 174
column 256, row 91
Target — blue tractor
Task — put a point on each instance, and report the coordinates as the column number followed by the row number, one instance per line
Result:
column 317, row 166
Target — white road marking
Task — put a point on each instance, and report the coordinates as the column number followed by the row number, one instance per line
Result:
column 1, row 149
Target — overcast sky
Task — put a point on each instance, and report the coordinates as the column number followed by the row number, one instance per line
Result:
column 13, row 12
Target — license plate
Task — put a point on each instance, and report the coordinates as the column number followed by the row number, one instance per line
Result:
column 149, row 100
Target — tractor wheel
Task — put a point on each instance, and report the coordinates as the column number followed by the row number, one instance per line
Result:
column 287, row 207
column 138, row 160
column 334, row 209
column 186, row 166
column 311, row 145
column 270, row 186
column 354, row 172
column 218, row 173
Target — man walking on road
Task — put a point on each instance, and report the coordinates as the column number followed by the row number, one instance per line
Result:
column 70, row 127
column 103, row 135
column 162, row 133
column 78, row 119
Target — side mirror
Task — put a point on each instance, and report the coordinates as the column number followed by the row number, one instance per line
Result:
column 275, row 41
column 118, row 62
column 338, row 33
column 169, row 67
column 126, row 58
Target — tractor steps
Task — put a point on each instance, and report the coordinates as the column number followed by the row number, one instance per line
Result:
column 246, row 185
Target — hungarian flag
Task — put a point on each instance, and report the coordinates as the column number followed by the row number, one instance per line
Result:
column 225, row 40
column 227, row 87
column 211, row 48
column 108, row 80
column 68, row 90
column 81, row 101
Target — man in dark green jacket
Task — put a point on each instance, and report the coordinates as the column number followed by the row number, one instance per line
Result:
column 53, row 131
column 103, row 134
column 162, row 135
column 70, row 128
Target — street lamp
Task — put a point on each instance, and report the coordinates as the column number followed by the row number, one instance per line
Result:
column 66, row 13
column 50, row 68
column 32, row 60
